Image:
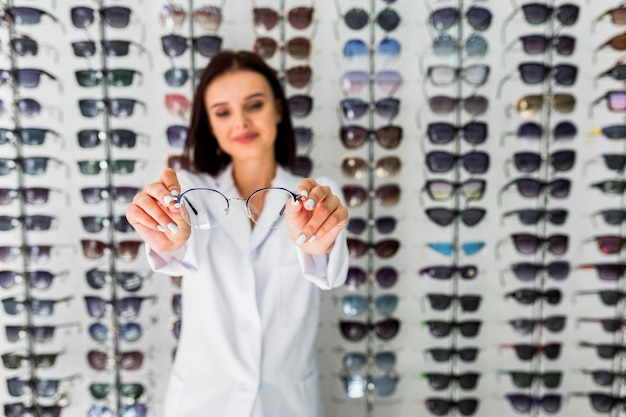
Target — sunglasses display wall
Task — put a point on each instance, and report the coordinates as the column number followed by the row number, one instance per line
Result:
column 479, row 148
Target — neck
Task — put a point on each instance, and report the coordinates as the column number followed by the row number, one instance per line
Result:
column 250, row 176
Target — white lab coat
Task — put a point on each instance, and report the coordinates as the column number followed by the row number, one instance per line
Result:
column 250, row 313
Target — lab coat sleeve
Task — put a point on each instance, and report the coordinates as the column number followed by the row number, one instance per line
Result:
column 329, row 270
column 173, row 263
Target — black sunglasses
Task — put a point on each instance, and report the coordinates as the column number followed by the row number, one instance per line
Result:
column 441, row 133
column 117, row 166
column 356, row 108
column 120, row 138
column 532, row 187
column 528, row 243
column 537, row 72
column 445, row 216
column 611, row 325
column 116, row 107
column 114, row 16
column 442, row 406
column 604, row 350
column 384, row 277
column 22, row 410
column 527, row 351
column 441, row 328
column 39, row 361
column 447, row 272
column 38, row 279
column 130, row 281
column 120, row 77
column 39, row 334
column 357, row 18
column 32, row 165
column 608, row 297
column 550, row 403
column 475, row 162
column 383, row 224
column 474, row 105
column 527, row 162
column 610, row 186
column 45, row 388
column 353, row 136
column 529, row 271
column 355, row 331
column 111, row 48
column 440, row 381
column 444, row 18
column 175, row 45
column 524, row 379
column 534, row 131
column 37, row 306
column 525, row 326
column 95, row 224
column 539, row 43
column 30, row 136
column 26, row 77
column 604, row 377
column 466, row 354
column 606, row 271
column 385, row 248
column 33, row 222
column 121, row 194
column 126, row 307
column 440, row 302
column 529, row 296
column 557, row 217
column 25, row 15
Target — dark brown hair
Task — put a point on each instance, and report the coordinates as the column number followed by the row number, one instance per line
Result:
column 201, row 147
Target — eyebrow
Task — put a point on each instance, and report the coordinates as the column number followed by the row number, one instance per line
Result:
column 251, row 96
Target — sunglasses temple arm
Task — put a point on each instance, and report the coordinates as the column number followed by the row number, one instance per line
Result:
column 502, row 281
column 507, row 21
column 595, row 103
column 501, row 84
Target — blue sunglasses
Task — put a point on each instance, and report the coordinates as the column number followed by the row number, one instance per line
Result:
column 356, row 48
column 446, row 248
column 356, row 304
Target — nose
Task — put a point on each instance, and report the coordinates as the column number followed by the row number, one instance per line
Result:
column 241, row 119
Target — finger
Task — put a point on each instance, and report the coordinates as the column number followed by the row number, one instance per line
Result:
column 145, row 211
column 325, row 216
column 166, row 189
column 313, row 192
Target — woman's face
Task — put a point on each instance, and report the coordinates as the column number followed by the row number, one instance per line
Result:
column 244, row 114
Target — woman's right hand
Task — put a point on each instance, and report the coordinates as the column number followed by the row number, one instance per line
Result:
column 154, row 216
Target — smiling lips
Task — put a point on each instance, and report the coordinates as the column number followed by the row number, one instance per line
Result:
column 246, row 137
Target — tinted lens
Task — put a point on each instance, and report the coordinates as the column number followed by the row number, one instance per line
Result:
column 24, row 46
column 300, row 105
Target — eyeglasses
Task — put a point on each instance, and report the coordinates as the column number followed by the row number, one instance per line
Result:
column 41, row 387
column 34, row 165
column 129, row 280
column 205, row 208
column 531, row 187
column 121, row 194
column 385, row 277
column 354, row 305
column 556, row 217
column 523, row 379
column 474, row 162
column 605, row 351
column 355, row 331
column 297, row 47
column 357, row 385
column 30, row 222
column 604, row 377
column 36, row 279
column 441, row 328
column 128, row 332
column 527, row 351
column 39, row 361
column 446, row 248
column 25, row 15
column 38, row 307
column 129, row 361
column 445, row 45
column 475, row 105
column 440, row 381
column 114, row 77
column 175, row 45
column 34, row 253
column 528, row 271
column 116, row 107
column 384, row 248
column 355, row 48
column 479, row 18
column 385, row 195
column 527, row 243
column 87, row 49
column 440, row 133
column 534, row 131
column 606, row 271
column 528, row 296
column 441, row 302
column 207, row 17
column 447, row 272
column 539, row 43
column 467, row 354
column 126, row 250
column 475, row 75
column 355, row 108
column 527, row 326
column 132, row 391
column 608, row 297
column 354, row 81
column 95, row 224
column 353, row 136
column 442, row 406
column 357, row 18
column 383, row 224
column 440, row 190
column 40, row 334
column 300, row 105
column 354, row 361
column 114, row 16
column 610, row 186
column 550, row 403
column 356, row 168
column 529, row 105
column 612, row 325
column 267, row 19
column 445, row 216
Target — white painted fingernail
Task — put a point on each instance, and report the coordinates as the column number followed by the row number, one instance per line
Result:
column 177, row 205
column 312, row 238
column 161, row 228
column 294, row 202
column 310, row 203
column 301, row 239
column 173, row 228
column 304, row 193
column 174, row 193
column 167, row 200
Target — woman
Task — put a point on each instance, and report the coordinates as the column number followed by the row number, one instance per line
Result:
column 250, row 292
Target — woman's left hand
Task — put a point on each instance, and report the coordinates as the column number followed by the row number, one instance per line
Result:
column 317, row 219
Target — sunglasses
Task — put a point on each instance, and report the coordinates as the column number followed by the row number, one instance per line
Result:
column 447, row 272
column 474, row 162
column 608, row 297
column 527, row 351
column 40, row 280
column 528, row 162
column 445, row 45
column 39, row 334
column 26, row 15
column 265, row 18
column 610, row 186
column 355, row 361
column 130, row 281
column 474, row 105
column 610, row 131
column 355, row 49
column 114, row 77
column 527, row 243
column 608, row 244
column 467, row 354
column 355, row 331
column 601, row 402
column 302, row 166
column 441, row 381
column 96, row 166
column 383, row 224
column 95, row 224
column 353, row 136
column 25, row 77
column 539, row 43
column 34, row 165
column 177, row 304
column 606, row 271
column 128, row 332
column 357, row 18
column 441, row 133
column 536, row 73
column 550, row 403
column 126, row 250
column 129, row 361
column 300, row 105
column 299, row 76
column 21, row 410
column 612, row 161
column 385, row 277
column 30, row 222
column 385, row 195
column 355, row 108
column 354, row 305
column 531, row 187
column 24, row 45
column 441, row 328
column 528, row 296
column 297, row 47
column 442, row 407
column 617, row 42
column 556, row 217
column 354, row 81
column 537, row 13
column 356, row 168
column 527, row 326
column 120, row 138
column 34, row 253
column 39, row 361
column 176, row 135
column 529, row 105
column 26, row 136
column 45, row 388
column 128, row 410
column 132, row 391
column 441, row 190
column 441, row 302
column 475, row 75
column 114, row 16
column 126, row 307
column 357, row 386
column 116, row 107
column 446, row 248
column 175, row 45
column 528, row 271
column 173, row 16
column 522, row 379
column 175, row 326
column 534, row 131
column 177, row 77
column 110, row 48
column 94, row 195
column 604, row 377
column 445, row 216
column 479, row 18
column 604, row 351
column 611, row 325
column 37, row 307
column 384, row 248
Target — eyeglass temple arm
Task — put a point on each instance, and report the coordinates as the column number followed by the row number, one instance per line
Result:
column 501, row 84
column 507, row 20
column 595, row 103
